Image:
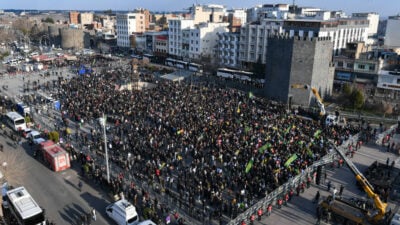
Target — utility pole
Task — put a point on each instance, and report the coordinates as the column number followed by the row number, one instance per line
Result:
column 105, row 147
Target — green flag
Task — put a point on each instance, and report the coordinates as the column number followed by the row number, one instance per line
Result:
column 249, row 165
column 288, row 129
column 317, row 133
column 309, row 152
column 247, row 129
column 251, row 95
column 264, row 147
column 290, row 160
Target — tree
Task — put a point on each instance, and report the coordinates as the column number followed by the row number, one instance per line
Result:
column 357, row 98
column 347, row 89
column 48, row 20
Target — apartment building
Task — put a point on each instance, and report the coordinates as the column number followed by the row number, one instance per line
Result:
column 373, row 22
column 392, row 36
column 253, row 36
column 175, row 36
column 207, row 13
column 74, row 17
column 228, row 49
column 204, row 38
column 127, row 25
column 85, row 18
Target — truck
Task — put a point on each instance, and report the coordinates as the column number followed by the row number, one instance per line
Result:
column 22, row 109
column 329, row 119
column 54, row 156
column 350, row 211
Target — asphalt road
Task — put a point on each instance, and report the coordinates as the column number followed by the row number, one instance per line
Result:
column 57, row 193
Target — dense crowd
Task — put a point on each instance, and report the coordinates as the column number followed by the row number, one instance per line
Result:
column 204, row 141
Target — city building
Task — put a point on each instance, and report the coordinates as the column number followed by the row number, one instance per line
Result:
column 85, row 18
column 240, row 14
column 252, row 13
column 204, row 38
column 175, row 37
column 207, row 13
column 74, row 17
column 228, row 49
column 108, row 23
column 147, row 17
column 373, row 22
column 127, row 25
column 161, row 45
column 392, row 36
column 298, row 60
column 253, row 36
column 151, row 40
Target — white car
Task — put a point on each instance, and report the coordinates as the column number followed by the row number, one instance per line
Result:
column 147, row 222
column 35, row 137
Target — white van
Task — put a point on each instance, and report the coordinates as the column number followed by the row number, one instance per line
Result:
column 123, row 213
column 147, row 222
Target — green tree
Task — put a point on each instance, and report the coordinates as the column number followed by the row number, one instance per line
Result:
column 357, row 98
column 48, row 20
column 347, row 89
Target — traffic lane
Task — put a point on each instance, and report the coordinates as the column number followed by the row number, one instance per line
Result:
column 62, row 202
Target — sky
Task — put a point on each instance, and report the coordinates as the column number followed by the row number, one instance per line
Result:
column 383, row 7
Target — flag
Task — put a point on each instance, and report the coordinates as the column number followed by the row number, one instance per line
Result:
column 249, row 165
column 288, row 129
column 247, row 129
column 290, row 160
column 317, row 133
column 264, row 147
column 251, row 95
column 309, row 152
column 162, row 166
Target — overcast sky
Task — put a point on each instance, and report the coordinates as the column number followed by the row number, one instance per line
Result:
column 383, row 7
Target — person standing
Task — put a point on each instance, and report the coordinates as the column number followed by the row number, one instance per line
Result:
column 341, row 190
column 93, row 214
column 316, row 199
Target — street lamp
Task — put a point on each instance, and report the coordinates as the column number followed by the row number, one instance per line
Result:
column 4, row 165
column 104, row 122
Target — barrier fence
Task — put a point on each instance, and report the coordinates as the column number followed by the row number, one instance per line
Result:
column 272, row 197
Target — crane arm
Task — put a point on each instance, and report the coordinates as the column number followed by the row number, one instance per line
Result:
column 315, row 93
column 368, row 188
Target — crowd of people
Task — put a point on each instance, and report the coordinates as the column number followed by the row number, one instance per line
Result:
column 207, row 143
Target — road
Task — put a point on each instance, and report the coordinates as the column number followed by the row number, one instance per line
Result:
column 57, row 193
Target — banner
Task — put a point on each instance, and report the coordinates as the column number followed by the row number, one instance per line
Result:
column 249, row 165
column 264, row 147
column 290, row 160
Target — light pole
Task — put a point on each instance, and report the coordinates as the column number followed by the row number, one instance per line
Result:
column 4, row 165
column 104, row 122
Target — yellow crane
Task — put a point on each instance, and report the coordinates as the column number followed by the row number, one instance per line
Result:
column 315, row 92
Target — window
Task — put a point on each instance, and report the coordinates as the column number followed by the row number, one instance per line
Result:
column 371, row 67
column 340, row 64
column 350, row 65
column 360, row 66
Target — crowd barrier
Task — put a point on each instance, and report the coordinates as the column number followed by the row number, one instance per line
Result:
column 272, row 197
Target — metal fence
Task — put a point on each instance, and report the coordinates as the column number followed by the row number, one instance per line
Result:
column 272, row 197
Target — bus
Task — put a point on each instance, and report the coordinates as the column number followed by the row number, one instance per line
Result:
column 237, row 74
column 15, row 121
column 194, row 67
column 181, row 64
column 170, row 62
column 23, row 208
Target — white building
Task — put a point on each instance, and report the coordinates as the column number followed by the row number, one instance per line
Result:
column 175, row 38
column 228, row 49
column 207, row 13
column 253, row 36
column 372, row 30
column 240, row 14
column 204, row 38
column 392, row 36
column 127, row 25
column 252, row 13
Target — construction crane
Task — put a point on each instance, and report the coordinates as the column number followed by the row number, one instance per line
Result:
column 347, row 213
column 315, row 92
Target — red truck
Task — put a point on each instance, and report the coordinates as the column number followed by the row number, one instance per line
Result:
column 55, row 156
